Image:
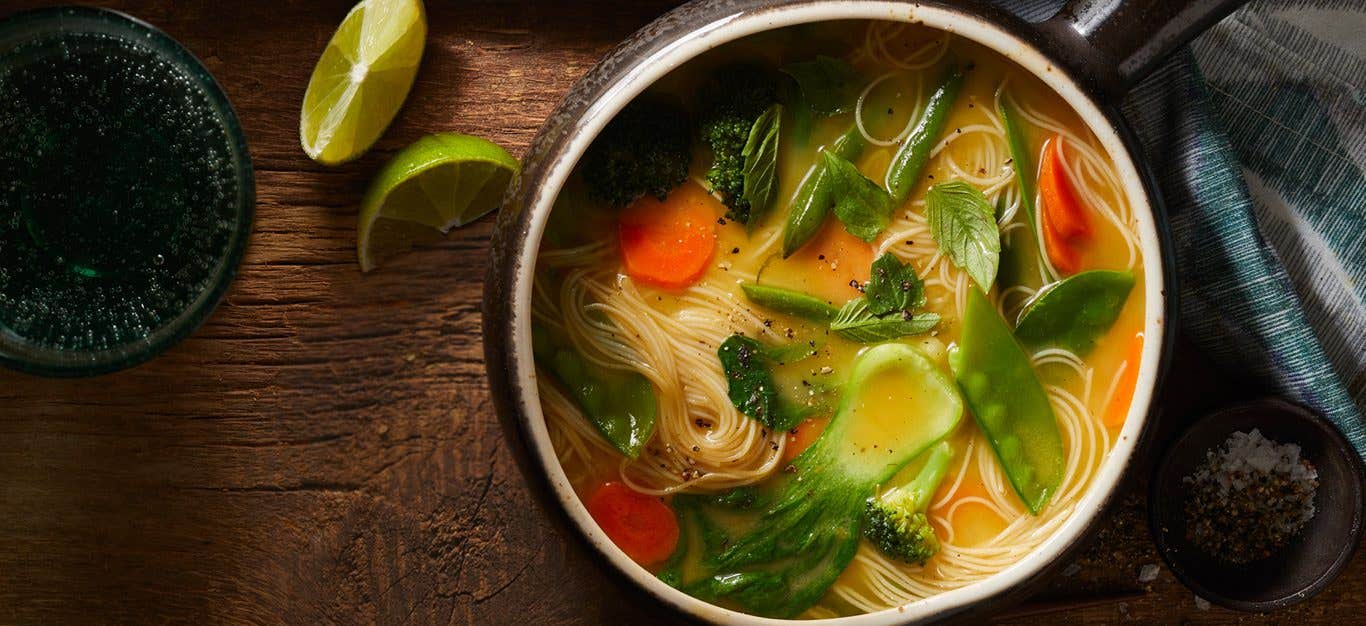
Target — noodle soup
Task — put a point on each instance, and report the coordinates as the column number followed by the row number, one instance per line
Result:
column 838, row 317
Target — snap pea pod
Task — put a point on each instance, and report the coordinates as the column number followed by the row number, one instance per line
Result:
column 1020, row 258
column 787, row 301
column 1008, row 402
column 914, row 153
column 811, row 204
column 1022, row 162
column 620, row 404
column 1073, row 313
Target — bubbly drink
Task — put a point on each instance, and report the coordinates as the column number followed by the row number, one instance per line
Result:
column 118, row 191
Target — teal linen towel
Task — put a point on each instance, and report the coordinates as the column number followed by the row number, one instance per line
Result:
column 1257, row 138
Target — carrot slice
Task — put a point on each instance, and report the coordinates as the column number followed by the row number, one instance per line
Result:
column 669, row 244
column 1064, row 257
column 641, row 525
column 802, row 436
column 1064, row 222
column 1123, row 395
column 827, row 265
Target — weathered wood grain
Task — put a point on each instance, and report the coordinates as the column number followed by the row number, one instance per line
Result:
column 323, row 449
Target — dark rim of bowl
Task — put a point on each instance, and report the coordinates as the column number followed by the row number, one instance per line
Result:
column 25, row 357
column 1315, row 427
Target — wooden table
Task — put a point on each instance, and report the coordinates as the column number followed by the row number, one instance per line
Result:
column 323, row 449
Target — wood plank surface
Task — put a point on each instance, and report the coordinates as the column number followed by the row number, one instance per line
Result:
column 323, row 450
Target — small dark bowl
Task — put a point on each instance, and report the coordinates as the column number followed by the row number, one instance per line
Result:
column 1312, row 559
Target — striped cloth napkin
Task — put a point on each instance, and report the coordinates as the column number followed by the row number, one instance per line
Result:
column 1257, row 136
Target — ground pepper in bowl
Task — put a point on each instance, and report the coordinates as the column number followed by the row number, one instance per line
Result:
column 1249, row 497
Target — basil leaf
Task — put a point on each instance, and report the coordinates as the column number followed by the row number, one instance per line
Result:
column 761, row 162
column 894, row 286
column 861, row 204
column 829, row 85
column 857, row 323
column 963, row 223
column 750, row 383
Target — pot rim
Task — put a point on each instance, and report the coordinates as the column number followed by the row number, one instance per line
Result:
column 627, row 78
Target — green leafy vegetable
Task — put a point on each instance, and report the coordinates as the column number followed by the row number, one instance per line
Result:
column 962, row 221
column 807, row 529
column 812, row 203
column 729, row 104
column 761, row 162
column 620, row 404
column 750, row 383
column 864, row 207
column 1073, row 313
column 1008, row 402
column 829, row 85
column 911, row 157
column 893, row 286
column 789, row 302
column 856, row 322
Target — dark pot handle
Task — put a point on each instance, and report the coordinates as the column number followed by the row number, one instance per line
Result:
column 1113, row 44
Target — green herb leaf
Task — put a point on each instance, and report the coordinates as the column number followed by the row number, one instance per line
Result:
column 761, row 162
column 750, row 383
column 894, row 286
column 1075, row 312
column 857, row 323
column 787, row 301
column 963, row 223
column 829, row 85
column 861, row 204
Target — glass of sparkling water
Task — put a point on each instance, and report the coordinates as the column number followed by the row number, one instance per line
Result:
column 126, row 192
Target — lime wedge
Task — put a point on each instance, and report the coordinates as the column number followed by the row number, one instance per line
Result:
column 362, row 79
column 438, row 183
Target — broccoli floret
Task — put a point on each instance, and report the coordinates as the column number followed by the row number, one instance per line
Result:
column 645, row 149
column 896, row 521
column 809, row 524
column 735, row 97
